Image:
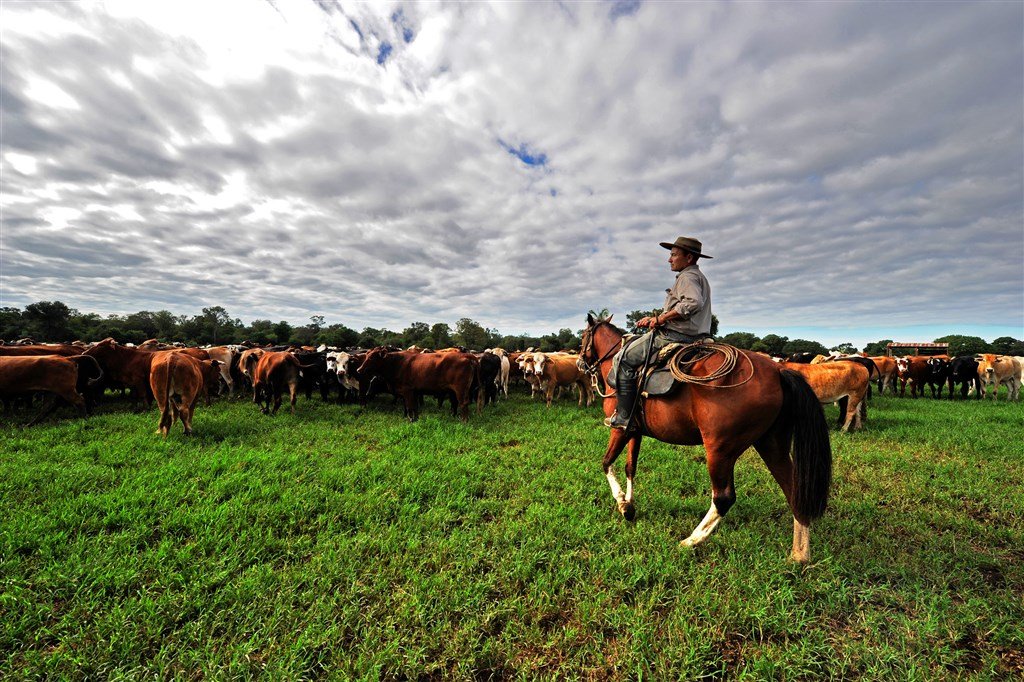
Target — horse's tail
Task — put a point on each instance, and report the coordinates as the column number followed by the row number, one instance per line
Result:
column 812, row 450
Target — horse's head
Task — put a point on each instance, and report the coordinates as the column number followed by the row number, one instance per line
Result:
column 600, row 340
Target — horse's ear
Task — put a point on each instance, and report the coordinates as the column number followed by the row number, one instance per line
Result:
column 590, row 319
column 609, row 318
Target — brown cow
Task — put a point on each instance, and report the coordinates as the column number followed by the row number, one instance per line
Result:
column 247, row 364
column 842, row 382
column 914, row 370
column 176, row 380
column 435, row 373
column 275, row 370
column 557, row 370
column 128, row 366
column 64, row 349
column 131, row 366
column 53, row 374
column 994, row 370
column 887, row 372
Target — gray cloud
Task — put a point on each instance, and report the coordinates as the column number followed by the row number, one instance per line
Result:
column 848, row 165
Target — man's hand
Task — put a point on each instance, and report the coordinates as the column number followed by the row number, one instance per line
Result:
column 649, row 322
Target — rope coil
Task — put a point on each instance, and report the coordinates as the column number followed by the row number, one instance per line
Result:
column 679, row 367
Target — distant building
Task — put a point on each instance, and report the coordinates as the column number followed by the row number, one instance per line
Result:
column 895, row 347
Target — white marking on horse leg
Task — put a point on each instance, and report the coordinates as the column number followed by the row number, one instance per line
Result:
column 616, row 490
column 629, row 490
column 704, row 529
column 801, row 543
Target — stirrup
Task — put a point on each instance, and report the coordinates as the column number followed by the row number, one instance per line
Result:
column 612, row 424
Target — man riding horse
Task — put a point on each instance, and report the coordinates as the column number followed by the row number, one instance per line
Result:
column 686, row 318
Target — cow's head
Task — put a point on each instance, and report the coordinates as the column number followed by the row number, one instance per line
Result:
column 902, row 365
column 540, row 361
column 374, row 360
column 526, row 364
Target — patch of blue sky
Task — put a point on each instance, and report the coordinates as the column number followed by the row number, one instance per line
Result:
column 400, row 22
column 623, row 8
column 384, row 52
column 525, row 154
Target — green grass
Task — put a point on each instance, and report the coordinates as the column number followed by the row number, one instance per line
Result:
column 351, row 544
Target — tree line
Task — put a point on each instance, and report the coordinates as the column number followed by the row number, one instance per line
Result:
column 55, row 321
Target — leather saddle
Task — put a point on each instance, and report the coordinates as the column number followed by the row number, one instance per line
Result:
column 658, row 380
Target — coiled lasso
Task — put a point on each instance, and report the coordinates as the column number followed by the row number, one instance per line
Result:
column 678, row 366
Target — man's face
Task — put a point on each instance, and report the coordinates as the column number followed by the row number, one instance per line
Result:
column 678, row 259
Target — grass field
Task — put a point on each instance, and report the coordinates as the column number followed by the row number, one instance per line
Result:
column 348, row 544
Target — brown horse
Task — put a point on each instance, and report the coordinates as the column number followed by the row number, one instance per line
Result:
column 755, row 404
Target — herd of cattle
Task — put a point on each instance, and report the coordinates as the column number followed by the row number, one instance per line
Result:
column 177, row 377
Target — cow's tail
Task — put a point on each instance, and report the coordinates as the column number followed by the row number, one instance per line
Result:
column 78, row 359
column 812, row 450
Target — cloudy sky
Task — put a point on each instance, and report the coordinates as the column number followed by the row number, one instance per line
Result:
column 855, row 169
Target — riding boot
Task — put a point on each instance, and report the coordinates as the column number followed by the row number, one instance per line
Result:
column 624, row 405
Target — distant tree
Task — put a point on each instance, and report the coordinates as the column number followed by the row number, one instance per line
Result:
column 48, row 321
column 470, row 334
column 1007, row 345
column 111, row 326
column 316, row 322
column 417, row 334
column 744, row 340
column 804, row 346
column 260, row 332
column 845, row 348
column 565, row 339
column 11, row 324
column 141, row 322
column 215, row 319
column 282, row 332
column 877, row 348
column 303, row 335
column 338, row 335
column 135, row 336
column 964, row 345
column 391, row 338
column 167, row 325
column 493, row 338
column 370, row 338
column 773, row 344
column 440, row 336
column 85, row 326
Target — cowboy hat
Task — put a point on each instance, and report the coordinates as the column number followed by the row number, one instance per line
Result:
column 686, row 244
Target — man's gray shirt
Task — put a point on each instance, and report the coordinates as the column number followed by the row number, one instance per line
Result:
column 690, row 296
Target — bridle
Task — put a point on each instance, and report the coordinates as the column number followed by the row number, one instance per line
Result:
column 593, row 371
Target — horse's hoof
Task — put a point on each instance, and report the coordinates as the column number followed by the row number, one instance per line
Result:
column 627, row 510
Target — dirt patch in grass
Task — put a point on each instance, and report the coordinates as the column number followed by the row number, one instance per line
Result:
column 1011, row 661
